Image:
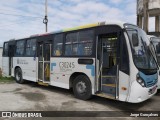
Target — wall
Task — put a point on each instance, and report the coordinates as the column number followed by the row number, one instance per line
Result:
column 154, row 4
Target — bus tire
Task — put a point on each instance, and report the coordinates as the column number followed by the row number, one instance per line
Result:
column 18, row 76
column 82, row 87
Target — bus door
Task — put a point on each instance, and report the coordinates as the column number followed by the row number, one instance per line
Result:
column 44, row 55
column 10, row 54
column 11, row 49
column 108, row 65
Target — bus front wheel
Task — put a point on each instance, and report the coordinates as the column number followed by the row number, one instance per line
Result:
column 18, row 76
column 82, row 87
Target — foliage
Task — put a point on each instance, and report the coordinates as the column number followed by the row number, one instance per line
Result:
column 6, row 79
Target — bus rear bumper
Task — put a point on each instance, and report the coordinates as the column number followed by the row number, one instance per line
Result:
column 139, row 94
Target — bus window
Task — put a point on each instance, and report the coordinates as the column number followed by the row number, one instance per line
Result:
column 71, row 44
column 158, row 48
column 79, row 43
column 20, row 47
column 58, row 42
column 124, row 66
column 31, row 47
column 5, row 50
column 85, row 42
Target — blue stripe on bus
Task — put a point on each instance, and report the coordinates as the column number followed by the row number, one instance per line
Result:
column 52, row 65
column 150, row 80
column 91, row 67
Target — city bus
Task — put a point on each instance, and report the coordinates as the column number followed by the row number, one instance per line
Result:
column 106, row 59
column 155, row 46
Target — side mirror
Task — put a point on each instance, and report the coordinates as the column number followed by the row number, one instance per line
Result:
column 135, row 40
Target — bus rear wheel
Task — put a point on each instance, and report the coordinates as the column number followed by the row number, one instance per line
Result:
column 82, row 87
column 18, row 76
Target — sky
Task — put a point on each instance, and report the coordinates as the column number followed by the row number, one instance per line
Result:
column 22, row 18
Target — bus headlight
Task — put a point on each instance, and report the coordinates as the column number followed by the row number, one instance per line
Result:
column 140, row 81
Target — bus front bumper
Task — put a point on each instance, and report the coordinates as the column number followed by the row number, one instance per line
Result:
column 139, row 94
column 158, row 84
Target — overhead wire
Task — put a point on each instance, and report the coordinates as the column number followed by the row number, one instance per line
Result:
column 35, row 17
column 4, row 26
column 14, row 23
column 10, row 14
column 20, row 15
column 20, row 22
column 8, row 10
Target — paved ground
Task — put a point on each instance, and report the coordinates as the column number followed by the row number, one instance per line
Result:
column 32, row 97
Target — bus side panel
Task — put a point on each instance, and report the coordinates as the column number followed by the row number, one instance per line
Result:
column 28, row 66
column 123, row 86
column 63, row 68
column 5, row 66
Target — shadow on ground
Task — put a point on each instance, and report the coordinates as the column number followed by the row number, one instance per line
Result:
column 123, row 106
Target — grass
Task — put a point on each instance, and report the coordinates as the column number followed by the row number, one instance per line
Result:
column 6, row 79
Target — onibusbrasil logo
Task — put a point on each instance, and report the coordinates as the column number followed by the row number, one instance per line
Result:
column 21, row 114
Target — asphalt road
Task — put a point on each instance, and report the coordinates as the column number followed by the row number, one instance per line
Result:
column 33, row 97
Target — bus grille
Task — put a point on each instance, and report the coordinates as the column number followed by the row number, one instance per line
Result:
column 151, row 83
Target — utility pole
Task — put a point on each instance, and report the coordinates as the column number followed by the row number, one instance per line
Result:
column 45, row 20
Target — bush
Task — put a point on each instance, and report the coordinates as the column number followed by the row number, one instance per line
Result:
column 6, row 79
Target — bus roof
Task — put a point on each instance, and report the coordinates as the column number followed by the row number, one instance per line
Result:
column 119, row 23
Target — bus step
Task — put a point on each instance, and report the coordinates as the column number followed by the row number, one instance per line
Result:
column 40, row 80
column 109, row 88
column 44, row 84
column 106, row 95
column 108, row 81
column 108, row 76
column 109, row 85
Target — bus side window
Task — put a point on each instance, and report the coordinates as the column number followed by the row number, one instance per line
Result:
column 57, row 45
column 81, row 49
column 124, row 66
column 5, row 50
column 85, row 42
column 71, row 44
column 31, row 47
column 20, row 47
column 158, row 48
column 79, row 43
column 68, row 50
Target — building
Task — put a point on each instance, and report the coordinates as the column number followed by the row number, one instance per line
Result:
column 146, row 9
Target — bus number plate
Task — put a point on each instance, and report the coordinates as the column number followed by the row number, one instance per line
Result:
column 151, row 91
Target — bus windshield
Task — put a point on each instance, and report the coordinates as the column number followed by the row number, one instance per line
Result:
column 156, row 44
column 142, row 56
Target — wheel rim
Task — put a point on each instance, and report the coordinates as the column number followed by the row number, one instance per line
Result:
column 18, row 76
column 81, row 87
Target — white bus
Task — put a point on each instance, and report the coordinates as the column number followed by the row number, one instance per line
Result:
column 155, row 46
column 110, row 60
